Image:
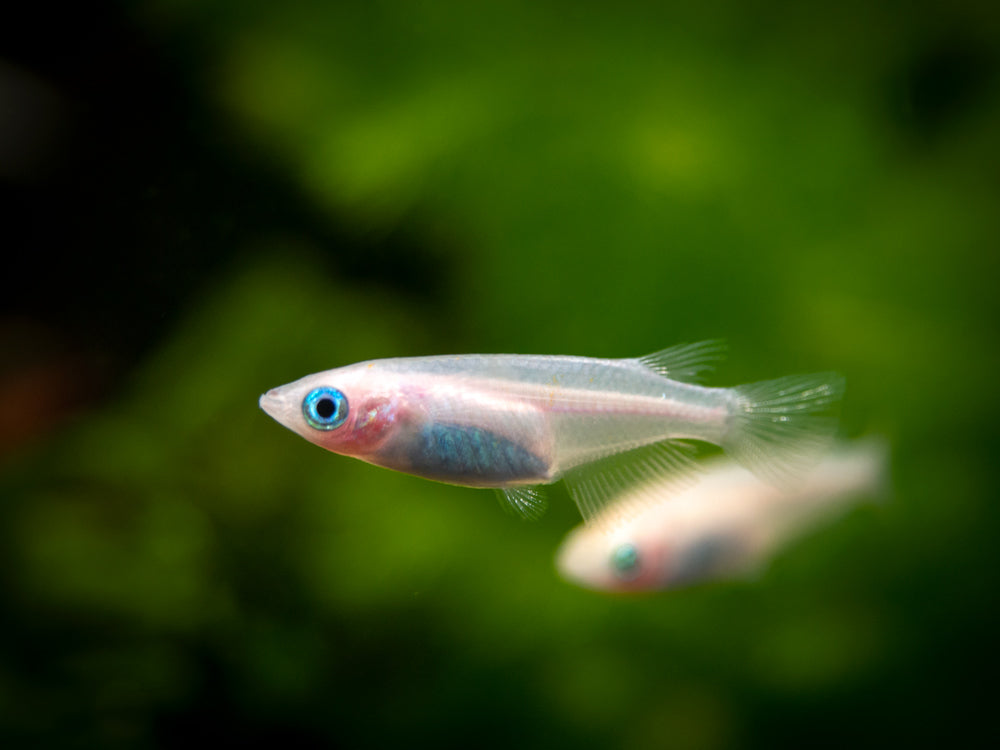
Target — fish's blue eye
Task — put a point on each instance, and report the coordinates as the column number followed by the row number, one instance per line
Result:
column 325, row 408
column 625, row 561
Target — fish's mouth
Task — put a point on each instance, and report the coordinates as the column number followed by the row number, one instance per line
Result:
column 272, row 402
column 575, row 563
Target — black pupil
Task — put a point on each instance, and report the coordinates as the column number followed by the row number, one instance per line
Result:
column 326, row 408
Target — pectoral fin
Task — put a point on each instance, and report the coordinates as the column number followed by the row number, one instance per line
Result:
column 528, row 503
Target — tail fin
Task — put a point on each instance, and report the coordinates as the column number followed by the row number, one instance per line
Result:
column 780, row 427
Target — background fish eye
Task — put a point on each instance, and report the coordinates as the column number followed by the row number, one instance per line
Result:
column 325, row 408
column 625, row 561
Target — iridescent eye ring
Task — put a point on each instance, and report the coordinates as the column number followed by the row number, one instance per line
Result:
column 325, row 408
column 625, row 561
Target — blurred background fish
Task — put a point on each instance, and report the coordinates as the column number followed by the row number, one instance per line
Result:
column 726, row 524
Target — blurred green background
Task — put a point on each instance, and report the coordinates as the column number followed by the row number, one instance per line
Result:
column 208, row 199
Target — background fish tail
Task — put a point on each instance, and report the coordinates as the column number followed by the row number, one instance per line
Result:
column 780, row 427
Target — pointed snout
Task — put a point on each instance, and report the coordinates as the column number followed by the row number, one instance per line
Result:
column 272, row 402
column 578, row 560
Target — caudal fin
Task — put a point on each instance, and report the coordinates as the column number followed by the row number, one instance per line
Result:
column 780, row 427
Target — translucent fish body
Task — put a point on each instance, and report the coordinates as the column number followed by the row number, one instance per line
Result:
column 726, row 524
column 510, row 421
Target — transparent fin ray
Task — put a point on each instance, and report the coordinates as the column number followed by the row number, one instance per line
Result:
column 647, row 474
column 528, row 503
column 781, row 427
column 686, row 362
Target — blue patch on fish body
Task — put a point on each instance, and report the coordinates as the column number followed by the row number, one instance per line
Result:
column 706, row 557
column 471, row 455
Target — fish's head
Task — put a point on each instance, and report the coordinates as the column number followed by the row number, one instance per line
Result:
column 610, row 561
column 349, row 410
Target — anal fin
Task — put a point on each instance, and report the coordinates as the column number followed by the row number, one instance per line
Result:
column 617, row 487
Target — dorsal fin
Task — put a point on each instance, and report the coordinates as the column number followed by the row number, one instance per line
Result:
column 686, row 362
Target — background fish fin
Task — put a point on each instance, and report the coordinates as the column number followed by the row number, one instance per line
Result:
column 528, row 503
column 686, row 362
column 616, row 488
column 781, row 427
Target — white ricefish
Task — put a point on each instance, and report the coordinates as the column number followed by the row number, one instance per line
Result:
column 726, row 524
column 514, row 422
